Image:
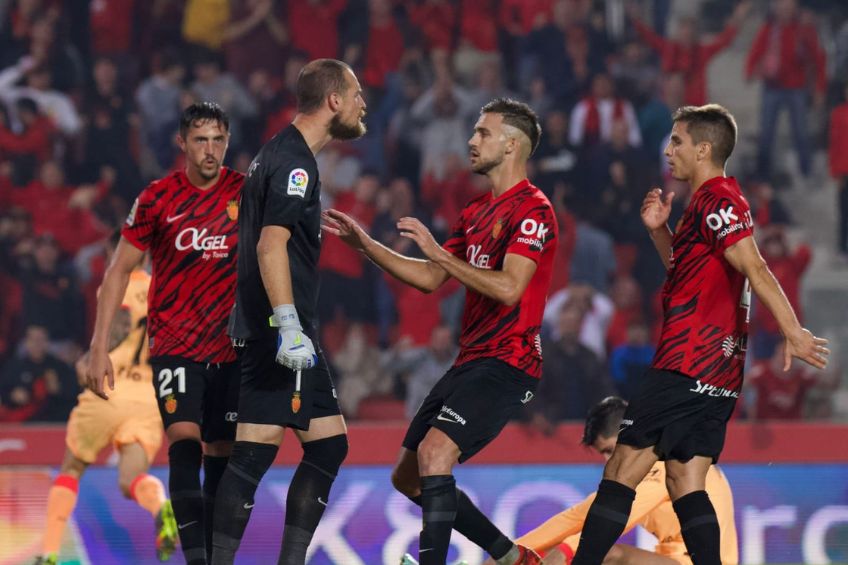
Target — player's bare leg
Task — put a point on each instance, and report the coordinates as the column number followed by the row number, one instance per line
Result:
column 185, row 455
column 61, row 501
column 136, row 484
column 686, row 482
column 446, row 507
column 609, row 512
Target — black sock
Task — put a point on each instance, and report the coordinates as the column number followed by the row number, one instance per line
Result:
column 248, row 463
column 308, row 494
column 184, row 459
column 699, row 526
column 606, row 520
column 474, row 525
column 213, row 469
column 438, row 503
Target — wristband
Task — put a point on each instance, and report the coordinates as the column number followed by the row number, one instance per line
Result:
column 285, row 316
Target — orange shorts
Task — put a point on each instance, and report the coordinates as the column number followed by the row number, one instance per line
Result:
column 96, row 423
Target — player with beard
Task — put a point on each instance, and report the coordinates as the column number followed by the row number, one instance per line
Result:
column 188, row 222
column 285, row 381
column 501, row 248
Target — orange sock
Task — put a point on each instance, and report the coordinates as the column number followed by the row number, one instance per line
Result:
column 61, row 501
column 149, row 492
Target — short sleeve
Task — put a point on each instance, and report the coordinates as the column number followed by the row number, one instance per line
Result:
column 289, row 188
column 724, row 220
column 455, row 243
column 140, row 226
column 534, row 232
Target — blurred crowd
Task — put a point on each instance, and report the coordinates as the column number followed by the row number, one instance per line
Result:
column 91, row 92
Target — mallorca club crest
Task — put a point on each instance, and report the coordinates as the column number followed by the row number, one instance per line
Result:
column 170, row 404
column 232, row 210
column 497, row 228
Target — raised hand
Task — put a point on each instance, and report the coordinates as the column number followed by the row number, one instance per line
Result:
column 345, row 227
column 413, row 229
column 656, row 208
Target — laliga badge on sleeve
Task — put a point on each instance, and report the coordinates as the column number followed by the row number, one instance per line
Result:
column 298, row 181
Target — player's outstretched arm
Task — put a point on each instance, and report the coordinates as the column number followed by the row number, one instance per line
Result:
column 424, row 275
column 655, row 212
column 109, row 298
column 506, row 285
column 799, row 341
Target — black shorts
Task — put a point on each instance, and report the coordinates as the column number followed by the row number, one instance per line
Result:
column 471, row 404
column 669, row 414
column 268, row 396
column 203, row 393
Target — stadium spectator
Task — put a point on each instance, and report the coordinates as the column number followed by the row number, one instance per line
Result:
column 838, row 153
column 51, row 298
column 556, row 160
column 421, row 367
column 478, row 37
column 359, row 369
column 436, row 21
column 573, row 376
column 777, row 394
column 630, row 359
column 686, row 53
column 788, row 264
column 55, row 104
column 36, row 385
column 593, row 260
column 343, row 270
column 597, row 311
column 787, row 57
column 314, row 27
column 384, row 45
column 255, row 38
column 111, row 132
column 214, row 84
column 593, row 117
column 158, row 99
column 34, row 143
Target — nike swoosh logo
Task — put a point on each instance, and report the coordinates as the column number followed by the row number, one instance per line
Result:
column 171, row 219
column 181, row 526
column 249, row 506
column 443, row 419
column 469, row 229
column 321, row 501
column 420, row 551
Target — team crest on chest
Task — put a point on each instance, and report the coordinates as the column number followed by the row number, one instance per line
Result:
column 232, row 210
column 497, row 228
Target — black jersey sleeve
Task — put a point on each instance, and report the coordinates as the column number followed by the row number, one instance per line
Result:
column 289, row 188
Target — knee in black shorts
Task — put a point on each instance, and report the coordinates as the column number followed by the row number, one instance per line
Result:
column 326, row 454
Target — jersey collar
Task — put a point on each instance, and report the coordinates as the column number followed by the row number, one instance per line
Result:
column 513, row 190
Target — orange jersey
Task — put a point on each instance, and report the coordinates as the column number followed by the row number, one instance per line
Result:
column 131, row 414
column 133, row 374
column 653, row 511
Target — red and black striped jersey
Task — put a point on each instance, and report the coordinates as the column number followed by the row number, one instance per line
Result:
column 519, row 221
column 706, row 301
column 192, row 236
